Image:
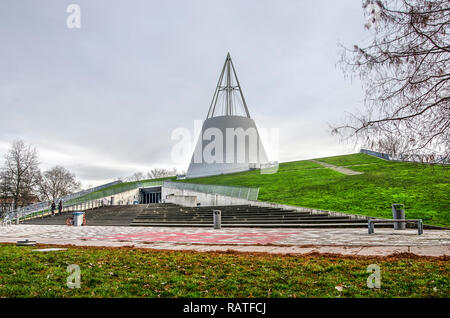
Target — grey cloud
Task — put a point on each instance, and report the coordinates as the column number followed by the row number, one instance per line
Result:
column 136, row 70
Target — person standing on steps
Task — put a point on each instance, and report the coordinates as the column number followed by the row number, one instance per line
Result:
column 60, row 207
column 53, row 208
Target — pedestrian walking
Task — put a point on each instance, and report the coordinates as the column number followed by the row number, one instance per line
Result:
column 60, row 207
column 53, row 208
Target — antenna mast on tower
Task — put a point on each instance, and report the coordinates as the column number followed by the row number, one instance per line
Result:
column 228, row 99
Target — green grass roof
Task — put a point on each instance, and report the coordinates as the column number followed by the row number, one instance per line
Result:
column 424, row 189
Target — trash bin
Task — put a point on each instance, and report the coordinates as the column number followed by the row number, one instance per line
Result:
column 78, row 218
column 398, row 213
column 217, row 219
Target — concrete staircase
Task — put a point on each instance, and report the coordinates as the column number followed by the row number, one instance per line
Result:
column 118, row 215
column 239, row 216
column 171, row 215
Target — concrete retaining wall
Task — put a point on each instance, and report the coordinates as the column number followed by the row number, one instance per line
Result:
column 123, row 198
column 206, row 199
column 184, row 200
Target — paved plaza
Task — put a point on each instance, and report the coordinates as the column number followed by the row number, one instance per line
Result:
column 355, row 242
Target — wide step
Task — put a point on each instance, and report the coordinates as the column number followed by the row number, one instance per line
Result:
column 259, row 225
column 171, row 215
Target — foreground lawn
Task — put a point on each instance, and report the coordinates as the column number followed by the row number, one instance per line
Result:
column 423, row 189
column 130, row 272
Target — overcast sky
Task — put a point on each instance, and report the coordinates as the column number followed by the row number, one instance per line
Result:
column 104, row 99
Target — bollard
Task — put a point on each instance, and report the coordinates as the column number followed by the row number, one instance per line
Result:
column 217, row 214
column 420, row 227
column 398, row 213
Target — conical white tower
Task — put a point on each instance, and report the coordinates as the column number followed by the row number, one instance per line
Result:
column 229, row 141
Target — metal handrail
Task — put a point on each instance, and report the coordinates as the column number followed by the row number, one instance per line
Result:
column 90, row 198
column 46, row 205
column 86, row 201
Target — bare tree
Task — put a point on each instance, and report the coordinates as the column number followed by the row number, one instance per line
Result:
column 162, row 173
column 19, row 173
column 154, row 174
column 5, row 196
column 56, row 183
column 405, row 71
column 137, row 176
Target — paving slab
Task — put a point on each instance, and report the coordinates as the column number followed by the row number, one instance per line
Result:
column 384, row 251
column 344, row 241
column 428, row 250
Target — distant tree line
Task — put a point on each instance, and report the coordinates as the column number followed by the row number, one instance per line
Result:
column 155, row 173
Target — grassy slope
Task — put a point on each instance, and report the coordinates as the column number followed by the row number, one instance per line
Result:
column 424, row 189
column 147, row 273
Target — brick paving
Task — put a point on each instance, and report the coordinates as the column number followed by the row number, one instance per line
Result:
column 284, row 241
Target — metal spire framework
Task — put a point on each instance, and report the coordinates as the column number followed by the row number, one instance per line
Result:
column 228, row 99
column 229, row 141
